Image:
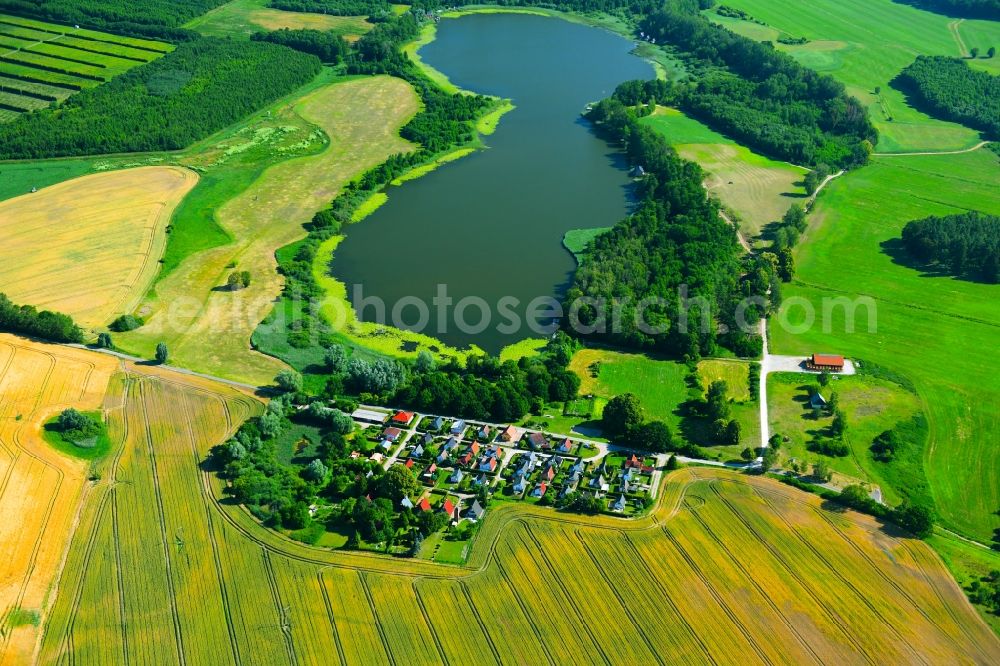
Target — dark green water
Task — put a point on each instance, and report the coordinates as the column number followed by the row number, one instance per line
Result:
column 490, row 225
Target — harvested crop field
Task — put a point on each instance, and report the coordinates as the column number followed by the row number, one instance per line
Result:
column 89, row 247
column 725, row 570
column 208, row 327
column 242, row 18
column 40, row 489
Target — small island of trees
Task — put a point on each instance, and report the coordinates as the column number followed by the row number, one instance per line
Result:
column 965, row 245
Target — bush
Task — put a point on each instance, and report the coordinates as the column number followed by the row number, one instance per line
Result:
column 125, row 323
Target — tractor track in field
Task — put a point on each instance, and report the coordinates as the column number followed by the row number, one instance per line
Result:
column 363, row 576
column 161, row 519
column 562, row 589
column 757, row 586
column 730, row 613
column 621, row 602
column 118, row 575
column 899, row 589
column 213, row 540
column 836, row 572
column 427, row 621
column 330, row 616
column 284, row 623
column 524, row 611
column 479, row 620
column 831, row 614
column 664, row 594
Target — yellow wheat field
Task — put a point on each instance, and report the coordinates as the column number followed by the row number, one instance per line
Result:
column 40, row 488
column 89, row 247
column 728, row 569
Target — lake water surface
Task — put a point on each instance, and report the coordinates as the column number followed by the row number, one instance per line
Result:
column 490, row 225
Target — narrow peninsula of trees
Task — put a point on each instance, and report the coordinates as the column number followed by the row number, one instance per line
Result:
column 965, row 245
column 26, row 320
column 673, row 267
column 167, row 104
column 948, row 88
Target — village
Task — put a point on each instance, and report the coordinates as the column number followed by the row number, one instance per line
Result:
column 459, row 461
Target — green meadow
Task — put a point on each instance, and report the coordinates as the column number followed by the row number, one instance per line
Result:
column 758, row 189
column 939, row 332
column 865, row 53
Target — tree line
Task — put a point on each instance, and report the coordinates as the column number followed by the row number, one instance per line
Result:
column 158, row 19
column 27, row 320
column 965, row 245
column 334, row 7
column 676, row 249
column 949, row 89
column 168, row 104
column 758, row 95
column 325, row 45
column 987, row 9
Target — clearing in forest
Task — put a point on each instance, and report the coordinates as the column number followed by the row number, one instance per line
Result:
column 89, row 247
column 757, row 188
column 242, row 18
column 40, row 488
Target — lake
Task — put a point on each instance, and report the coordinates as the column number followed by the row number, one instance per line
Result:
column 488, row 228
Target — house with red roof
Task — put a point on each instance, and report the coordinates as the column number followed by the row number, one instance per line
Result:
column 487, row 464
column 539, row 490
column 408, row 464
column 430, row 470
column 449, row 508
column 511, row 434
column 826, row 362
column 423, row 504
column 633, row 462
column 392, row 434
column 402, row 418
column 565, row 446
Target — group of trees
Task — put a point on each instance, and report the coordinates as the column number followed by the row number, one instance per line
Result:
column 948, row 88
column 672, row 269
column 197, row 89
column 326, row 45
column 27, row 320
column 365, row 498
column 758, row 95
column 966, row 245
column 987, row 9
column 334, row 7
column 486, row 388
column 159, row 19
column 624, row 422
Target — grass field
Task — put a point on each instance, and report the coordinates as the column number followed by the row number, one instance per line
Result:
column 242, row 18
column 870, row 51
column 724, row 570
column 576, row 240
column 89, row 247
column 872, row 406
column 40, row 488
column 938, row 331
column 209, row 329
column 42, row 63
column 758, row 189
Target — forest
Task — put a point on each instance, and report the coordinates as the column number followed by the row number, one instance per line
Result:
column 148, row 18
column 675, row 248
column 196, row 90
column 334, row 7
column 949, row 89
column 327, row 46
column 965, row 245
column 26, row 320
column 987, row 9
column 760, row 96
